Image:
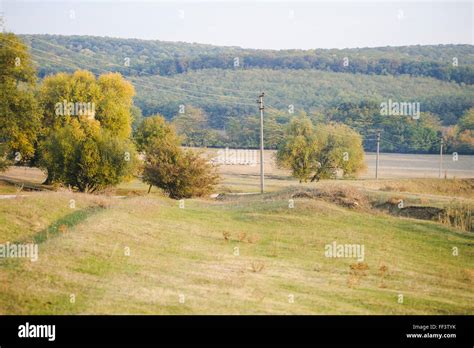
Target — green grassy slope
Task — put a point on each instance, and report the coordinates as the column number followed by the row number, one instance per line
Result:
column 185, row 260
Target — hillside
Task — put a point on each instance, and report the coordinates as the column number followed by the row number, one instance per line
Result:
column 225, row 81
column 169, row 58
column 305, row 89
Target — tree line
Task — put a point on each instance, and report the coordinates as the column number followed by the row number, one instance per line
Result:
column 153, row 57
column 399, row 134
column 306, row 90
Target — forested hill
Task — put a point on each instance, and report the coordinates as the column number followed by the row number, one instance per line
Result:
column 223, row 83
column 443, row 62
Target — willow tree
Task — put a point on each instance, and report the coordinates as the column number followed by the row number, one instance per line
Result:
column 320, row 152
column 87, row 126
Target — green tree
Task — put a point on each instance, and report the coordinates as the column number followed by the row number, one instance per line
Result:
column 179, row 173
column 155, row 128
column 314, row 154
column 467, row 121
column 340, row 148
column 87, row 157
column 108, row 100
column 20, row 119
column 137, row 117
column 299, row 149
column 465, row 134
column 113, row 111
column 86, row 130
column 193, row 127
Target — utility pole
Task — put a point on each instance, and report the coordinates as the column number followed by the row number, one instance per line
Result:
column 377, row 158
column 261, row 107
column 441, row 157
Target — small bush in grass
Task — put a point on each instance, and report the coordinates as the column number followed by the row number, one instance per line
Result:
column 242, row 236
column 459, row 216
column 257, row 266
column 179, row 173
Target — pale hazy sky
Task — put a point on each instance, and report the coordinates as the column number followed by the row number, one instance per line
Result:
column 252, row 24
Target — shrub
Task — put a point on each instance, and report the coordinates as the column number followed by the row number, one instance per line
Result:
column 179, row 173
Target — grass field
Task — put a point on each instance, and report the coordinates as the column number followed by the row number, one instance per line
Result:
column 244, row 254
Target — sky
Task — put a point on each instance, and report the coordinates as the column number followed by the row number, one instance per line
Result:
column 251, row 24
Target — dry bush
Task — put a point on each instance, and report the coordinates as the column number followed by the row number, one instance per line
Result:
column 383, row 270
column 359, row 266
column 180, row 173
column 253, row 239
column 257, row 266
column 226, row 235
column 388, row 188
column 395, row 200
column 395, row 188
column 357, row 272
column 468, row 274
column 353, row 281
column 459, row 216
column 242, row 236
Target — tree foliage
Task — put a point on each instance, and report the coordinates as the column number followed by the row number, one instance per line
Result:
column 110, row 96
column 155, row 129
column 461, row 138
column 192, row 125
column 20, row 118
column 314, row 153
column 170, row 58
column 87, row 157
column 204, row 78
column 90, row 150
column 179, row 173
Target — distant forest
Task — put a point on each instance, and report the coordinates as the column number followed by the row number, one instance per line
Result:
column 220, row 85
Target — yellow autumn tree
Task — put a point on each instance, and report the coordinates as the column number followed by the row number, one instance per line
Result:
column 20, row 118
column 86, row 130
